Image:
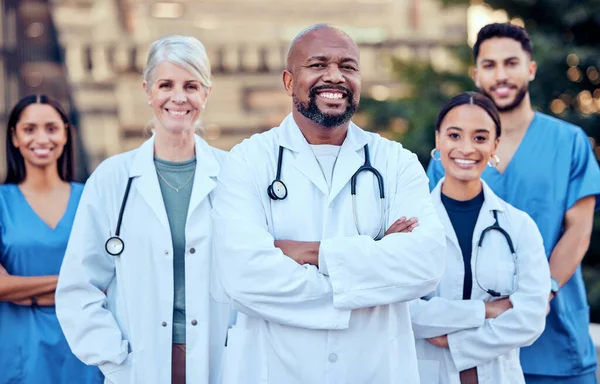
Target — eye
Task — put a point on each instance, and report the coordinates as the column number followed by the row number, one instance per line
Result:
column 28, row 130
column 317, row 65
column 193, row 87
column 453, row 135
column 480, row 139
column 164, row 85
column 349, row 67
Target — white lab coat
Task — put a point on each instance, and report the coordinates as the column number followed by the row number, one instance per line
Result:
column 127, row 333
column 490, row 345
column 348, row 320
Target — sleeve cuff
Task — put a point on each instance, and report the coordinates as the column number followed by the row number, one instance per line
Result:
column 322, row 263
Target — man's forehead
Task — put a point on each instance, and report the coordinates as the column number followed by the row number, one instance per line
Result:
column 500, row 49
column 325, row 42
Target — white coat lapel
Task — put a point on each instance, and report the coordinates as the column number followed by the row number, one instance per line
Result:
column 146, row 181
column 207, row 169
column 351, row 158
column 304, row 159
column 436, row 197
column 486, row 214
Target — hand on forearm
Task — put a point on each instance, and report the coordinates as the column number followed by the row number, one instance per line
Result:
column 494, row 309
column 44, row 300
column 402, row 225
column 302, row 252
column 439, row 341
column 18, row 288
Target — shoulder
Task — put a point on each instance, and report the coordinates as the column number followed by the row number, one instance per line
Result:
column 257, row 143
column 114, row 166
column 8, row 191
column 555, row 126
column 519, row 220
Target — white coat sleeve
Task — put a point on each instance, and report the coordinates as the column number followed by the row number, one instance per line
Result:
column 86, row 272
column 439, row 316
column 519, row 326
column 400, row 267
column 260, row 280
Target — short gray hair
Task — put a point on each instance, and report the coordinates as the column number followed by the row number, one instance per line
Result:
column 184, row 51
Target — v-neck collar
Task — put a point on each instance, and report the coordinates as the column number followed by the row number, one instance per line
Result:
column 520, row 148
column 39, row 218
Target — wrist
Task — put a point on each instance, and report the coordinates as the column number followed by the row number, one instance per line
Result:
column 34, row 301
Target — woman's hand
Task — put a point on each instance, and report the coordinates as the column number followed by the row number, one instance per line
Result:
column 439, row 341
column 402, row 225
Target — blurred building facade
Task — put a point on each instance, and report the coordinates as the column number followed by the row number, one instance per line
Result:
column 104, row 45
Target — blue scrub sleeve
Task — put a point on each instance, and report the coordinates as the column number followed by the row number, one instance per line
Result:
column 585, row 173
column 435, row 172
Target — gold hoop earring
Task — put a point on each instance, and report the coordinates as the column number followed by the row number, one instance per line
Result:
column 433, row 152
column 493, row 161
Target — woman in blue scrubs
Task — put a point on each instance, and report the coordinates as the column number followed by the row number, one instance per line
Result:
column 37, row 207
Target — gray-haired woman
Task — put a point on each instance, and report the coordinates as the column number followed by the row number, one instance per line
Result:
column 135, row 295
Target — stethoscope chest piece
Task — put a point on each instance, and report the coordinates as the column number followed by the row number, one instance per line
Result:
column 114, row 246
column 277, row 190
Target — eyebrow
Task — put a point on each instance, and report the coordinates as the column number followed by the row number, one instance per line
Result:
column 493, row 61
column 185, row 81
column 325, row 58
column 478, row 130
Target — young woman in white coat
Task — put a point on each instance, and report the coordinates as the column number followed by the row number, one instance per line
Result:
column 490, row 301
column 133, row 294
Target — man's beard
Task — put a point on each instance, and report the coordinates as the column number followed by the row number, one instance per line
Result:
column 521, row 93
column 311, row 111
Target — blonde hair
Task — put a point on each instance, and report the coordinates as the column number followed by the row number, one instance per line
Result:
column 184, row 51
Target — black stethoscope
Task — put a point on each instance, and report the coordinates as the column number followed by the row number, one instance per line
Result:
column 115, row 245
column 497, row 227
column 278, row 191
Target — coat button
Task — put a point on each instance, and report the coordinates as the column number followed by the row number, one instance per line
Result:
column 194, row 322
column 166, row 252
column 192, row 250
column 164, row 323
column 333, row 357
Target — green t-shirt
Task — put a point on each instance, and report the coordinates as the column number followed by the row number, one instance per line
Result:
column 176, row 181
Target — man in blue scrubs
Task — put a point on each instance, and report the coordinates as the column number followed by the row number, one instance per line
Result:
column 547, row 168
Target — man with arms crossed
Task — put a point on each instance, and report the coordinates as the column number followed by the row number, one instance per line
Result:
column 547, row 168
column 320, row 300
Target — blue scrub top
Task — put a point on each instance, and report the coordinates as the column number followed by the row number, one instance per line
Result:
column 553, row 167
column 33, row 349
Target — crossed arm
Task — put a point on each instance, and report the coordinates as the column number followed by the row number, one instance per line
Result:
column 20, row 290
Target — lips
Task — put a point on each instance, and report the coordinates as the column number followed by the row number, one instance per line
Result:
column 177, row 113
column 330, row 93
column 42, row 152
column 503, row 90
column 465, row 163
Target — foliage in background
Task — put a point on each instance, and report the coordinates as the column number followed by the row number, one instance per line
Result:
column 565, row 37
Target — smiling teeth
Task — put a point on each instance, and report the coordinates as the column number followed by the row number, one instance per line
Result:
column 178, row 113
column 330, row 95
column 463, row 161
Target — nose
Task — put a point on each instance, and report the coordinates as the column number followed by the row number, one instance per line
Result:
column 501, row 74
column 333, row 75
column 467, row 147
column 41, row 137
column 178, row 96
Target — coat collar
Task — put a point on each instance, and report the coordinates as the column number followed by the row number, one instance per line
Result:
column 486, row 216
column 147, row 185
column 349, row 158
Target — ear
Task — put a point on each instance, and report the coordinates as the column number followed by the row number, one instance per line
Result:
column 288, row 82
column 146, row 88
column 496, row 142
column 437, row 139
column 14, row 140
column 532, row 67
column 475, row 78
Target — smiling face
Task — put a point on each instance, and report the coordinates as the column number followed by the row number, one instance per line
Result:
column 466, row 141
column 323, row 77
column 40, row 135
column 177, row 98
column 504, row 70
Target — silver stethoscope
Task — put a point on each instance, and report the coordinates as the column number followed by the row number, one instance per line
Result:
column 115, row 245
column 278, row 191
column 497, row 227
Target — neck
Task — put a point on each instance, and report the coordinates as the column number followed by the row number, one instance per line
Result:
column 316, row 134
column 45, row 178
column 461, row 190
column 516, row 122
column 174, row 147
